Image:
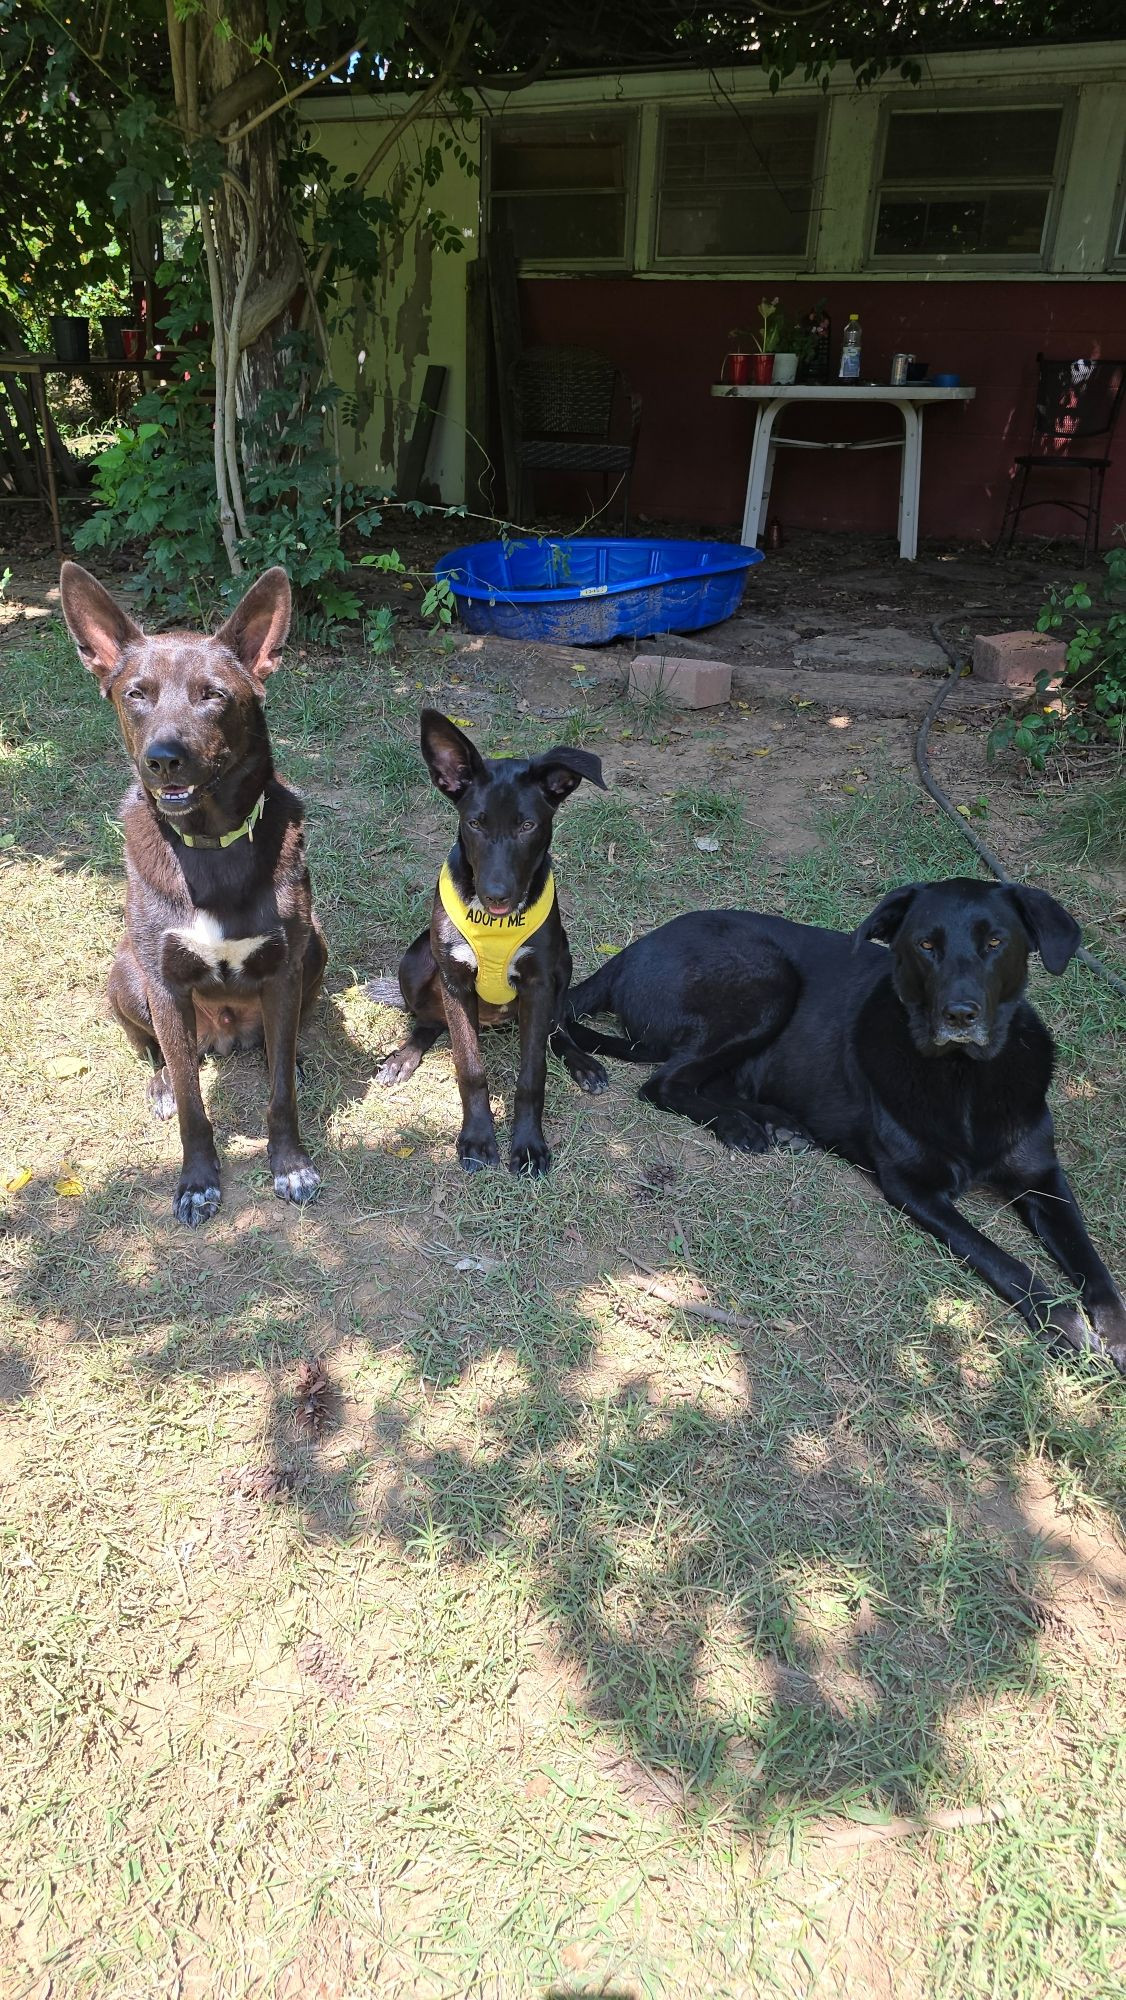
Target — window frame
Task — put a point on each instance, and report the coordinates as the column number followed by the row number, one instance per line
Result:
column 815, row 104
column 627, row 118
column 1060, row 99
column 1116, row 248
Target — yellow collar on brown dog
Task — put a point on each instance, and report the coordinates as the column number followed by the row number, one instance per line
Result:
column 495, row 940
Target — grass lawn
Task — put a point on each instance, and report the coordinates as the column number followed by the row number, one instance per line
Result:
column 574, row 1643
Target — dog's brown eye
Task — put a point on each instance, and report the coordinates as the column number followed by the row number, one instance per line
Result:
column 926, row 944
column 474, row 825
column 994, row 943
column 135, row 694
column 527, row 826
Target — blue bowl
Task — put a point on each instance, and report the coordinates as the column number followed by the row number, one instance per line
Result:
column 584, row 592
column 946, row 382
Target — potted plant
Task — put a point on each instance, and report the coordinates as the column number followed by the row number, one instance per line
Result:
column 70, row 338
column 785, row 367
column 736, row 367
column 766, row 339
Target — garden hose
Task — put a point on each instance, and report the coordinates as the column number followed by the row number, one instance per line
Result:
column 931, row 784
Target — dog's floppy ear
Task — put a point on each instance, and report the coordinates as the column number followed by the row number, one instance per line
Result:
column 451, row 759
column 560, row 771
column 884, row 922
column 256, row 630
column 101, row 630
column 1052, row 930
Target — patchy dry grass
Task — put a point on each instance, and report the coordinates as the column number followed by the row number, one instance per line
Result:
column 543, row 1659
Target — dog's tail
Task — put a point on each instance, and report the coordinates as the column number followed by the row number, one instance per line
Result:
column 385, row 992
column 596, row 996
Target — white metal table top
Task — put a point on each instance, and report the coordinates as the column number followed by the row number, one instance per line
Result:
column 842, row 392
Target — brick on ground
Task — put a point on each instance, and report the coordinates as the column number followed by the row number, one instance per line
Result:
column 1014, row 659
column 688, row 683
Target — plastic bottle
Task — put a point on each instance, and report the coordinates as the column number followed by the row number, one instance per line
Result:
column 850, row 350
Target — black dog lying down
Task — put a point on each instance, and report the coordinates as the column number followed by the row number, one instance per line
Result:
column 924, row 1064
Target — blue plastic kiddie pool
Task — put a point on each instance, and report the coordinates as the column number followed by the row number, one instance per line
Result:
column 585, row 592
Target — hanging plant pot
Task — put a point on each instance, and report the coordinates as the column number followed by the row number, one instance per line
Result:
column 70, row 338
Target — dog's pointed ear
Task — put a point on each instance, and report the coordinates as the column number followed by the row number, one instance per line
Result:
column 560, row 771
column 1052, row 930
column 101, row 630
column 451, row 759
column 884, row 922
column 256, row 630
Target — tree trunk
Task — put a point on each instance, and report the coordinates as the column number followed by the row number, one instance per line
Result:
column 256, row 220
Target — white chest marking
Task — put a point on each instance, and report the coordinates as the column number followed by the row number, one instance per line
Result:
column 204, row 937
column 463, row 953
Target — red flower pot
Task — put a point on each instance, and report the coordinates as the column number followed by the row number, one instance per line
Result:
column 736, row 368
column 762, row 368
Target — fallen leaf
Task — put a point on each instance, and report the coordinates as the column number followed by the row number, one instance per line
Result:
column 401, row 1152
column 607, row 950
column 485, row 1264
column 68, row 1183
column 19, row 1180
column 311, row 1394
column 7, row 839
column 537, row 1787
column 708, row 845
column 765, row 752
column 326, row 1668
column 259, row 1482
column 462, row 721
column 68, row 1066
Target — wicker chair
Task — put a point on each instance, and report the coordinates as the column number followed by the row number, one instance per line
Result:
column 574, row 413
column 1076, row 401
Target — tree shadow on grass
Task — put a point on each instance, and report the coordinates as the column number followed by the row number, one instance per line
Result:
column 772, row 1592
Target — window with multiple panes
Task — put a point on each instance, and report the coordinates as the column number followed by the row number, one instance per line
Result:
column 736, row 185
column 962, row 182
column 564, row 187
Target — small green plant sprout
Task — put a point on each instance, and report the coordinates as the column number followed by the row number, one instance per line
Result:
column 1090, row 706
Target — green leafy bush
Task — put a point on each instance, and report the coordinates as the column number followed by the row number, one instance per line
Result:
column 1090, row 706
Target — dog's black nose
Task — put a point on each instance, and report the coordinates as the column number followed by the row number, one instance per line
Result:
column 164, row 759
column 961, row 1013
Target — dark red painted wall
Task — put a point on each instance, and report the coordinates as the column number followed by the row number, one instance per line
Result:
column 669, row 337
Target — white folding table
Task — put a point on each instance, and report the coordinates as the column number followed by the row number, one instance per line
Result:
column 910, row 400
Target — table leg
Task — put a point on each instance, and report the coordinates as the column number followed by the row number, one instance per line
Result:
column 758, row 477
column 39, row 393
column 910, row 474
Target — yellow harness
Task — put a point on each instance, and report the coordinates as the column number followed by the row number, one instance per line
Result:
column 495, row 940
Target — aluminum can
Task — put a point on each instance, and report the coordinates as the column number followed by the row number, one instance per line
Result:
column 899, row 366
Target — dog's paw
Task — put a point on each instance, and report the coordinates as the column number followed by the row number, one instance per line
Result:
column 1109, row 1326
column 397, row 1067
column 588, row 1074
column 161, row 1096
column 740, row 1133
column 194, row 1203
column 533, row 1158
column 789, row 1138
column 300, row 1185
column 477, row 1154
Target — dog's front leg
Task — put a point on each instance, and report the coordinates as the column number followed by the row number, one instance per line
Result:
column 295, row 1177
column 1009, row 1278
column 477, row 1140
column 197, row 1195
column 1048, row 1208
column 529, row 1151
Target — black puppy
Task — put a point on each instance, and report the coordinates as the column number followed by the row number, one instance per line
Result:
column 924, row 1064
column 221, row 946
column 496, row 943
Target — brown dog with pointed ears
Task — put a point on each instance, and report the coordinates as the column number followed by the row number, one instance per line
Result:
column 222, row 948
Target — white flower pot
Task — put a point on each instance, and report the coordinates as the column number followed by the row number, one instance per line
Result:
column 785, row 368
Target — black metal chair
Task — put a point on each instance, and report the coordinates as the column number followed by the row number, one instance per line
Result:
column 1076, row 402
column 574, row 413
